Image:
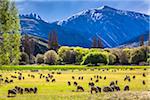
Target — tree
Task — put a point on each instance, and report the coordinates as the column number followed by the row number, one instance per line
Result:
column 24, row 59
column 99, row 43
column 53, row 41
column 10, row 33
column 94, row 42
column 50, row 57
column 28, row 45
column 137, row 55
column 141, row 40
column 123, row 57
column 95, row 58
column 68, row 55
column 112, row 59
column 39, row 59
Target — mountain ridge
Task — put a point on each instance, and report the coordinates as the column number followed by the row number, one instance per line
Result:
column 111, row 25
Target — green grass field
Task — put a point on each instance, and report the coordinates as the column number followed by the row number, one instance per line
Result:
column 59, row 90
column 66, row 67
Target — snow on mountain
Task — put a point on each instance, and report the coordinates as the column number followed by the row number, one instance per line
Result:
column 113, row 26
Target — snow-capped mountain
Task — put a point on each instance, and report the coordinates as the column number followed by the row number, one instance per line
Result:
column 114, row 27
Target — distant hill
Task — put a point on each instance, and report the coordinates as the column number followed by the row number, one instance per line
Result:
column 114, row 27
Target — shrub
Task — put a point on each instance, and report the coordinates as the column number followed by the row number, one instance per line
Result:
column 67, row 55
column 115, row 52
column 24, row 58
column 39, row 59
column 123, row 57
column 137, row 55
column 112, row 59
column 50, row 57
column 145, row 50
column 32, row 59
column 80, row 53
column 95, row 58
column 148, row 58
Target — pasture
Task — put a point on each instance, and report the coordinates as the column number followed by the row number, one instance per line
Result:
column 61, row 90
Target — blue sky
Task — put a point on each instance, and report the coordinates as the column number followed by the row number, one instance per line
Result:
column 53, row 10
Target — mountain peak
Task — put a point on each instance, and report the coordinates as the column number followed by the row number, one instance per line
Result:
column 105, row 8
column 32, row 16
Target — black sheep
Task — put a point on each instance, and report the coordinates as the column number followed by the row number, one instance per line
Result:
column 69, row 83
column 107, row 89
column 126, row 88
column 12, row 93
column 75, row 83
column 80, row 88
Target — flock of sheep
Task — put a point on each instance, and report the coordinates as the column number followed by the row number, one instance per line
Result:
column 113, row 86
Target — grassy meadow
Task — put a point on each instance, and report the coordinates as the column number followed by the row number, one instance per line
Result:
column 60, row 90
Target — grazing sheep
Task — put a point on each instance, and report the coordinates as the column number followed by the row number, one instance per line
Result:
column 47, row 80
column 13, row 76
column 127, row 78
column 99, row 89
column 105, row 78
column 93, row 89
column 11, row 81
column 107, row 89
column 75, row 83
column 12, row 93
column 58, row 72
column 126, row 88
column 133, row 77
column 6, row 81
column 40, row 76
column 53, row 80
column 82, row 78
column 19, row 89
column 27, row 90
column 112, row 83
column 144, row 75
column 91, row 84
column 116, row 82
column 97, row 76
column 35, row 90
column 31, row 90
column 143, row 82
column 73, row 77
column 80, row 88
column 79, row 78
column 100, row 77
column 117, row 88
column 69, row 83
column 28, row 75
column 1, row 79
column 32, row 76
column 97, row 81
column 91, row 79
column 19, row 77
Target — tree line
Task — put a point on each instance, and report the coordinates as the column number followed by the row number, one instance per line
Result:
column 93, row 56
